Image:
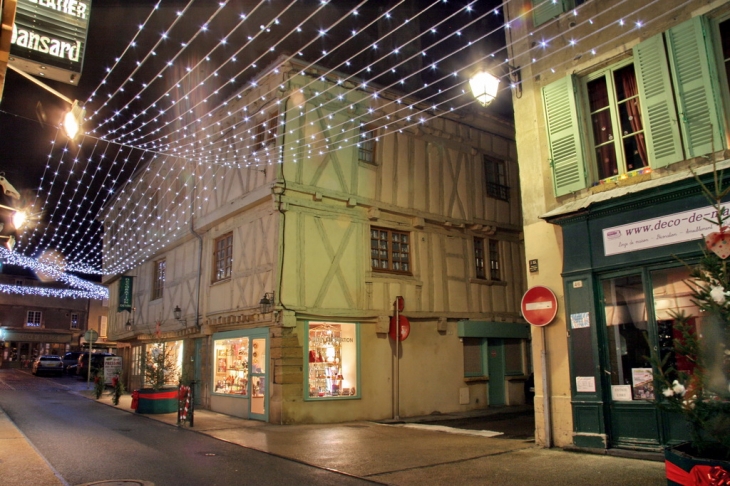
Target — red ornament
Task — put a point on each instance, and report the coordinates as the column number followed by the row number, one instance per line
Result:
column 719, row 243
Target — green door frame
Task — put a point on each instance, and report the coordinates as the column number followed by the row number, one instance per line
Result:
column 251, row 334
column 496, row 370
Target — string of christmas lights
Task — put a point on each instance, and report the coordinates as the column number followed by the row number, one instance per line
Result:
column 187, row 138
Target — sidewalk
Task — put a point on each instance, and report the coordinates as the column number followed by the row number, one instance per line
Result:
column 20, row 463
column 400, row 454
column 413, row 453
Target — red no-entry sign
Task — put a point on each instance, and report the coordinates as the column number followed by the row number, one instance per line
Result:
column 539, row 306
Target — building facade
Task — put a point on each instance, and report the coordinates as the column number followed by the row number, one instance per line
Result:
column 286, row 247
column 621, row 104
column 39, row 322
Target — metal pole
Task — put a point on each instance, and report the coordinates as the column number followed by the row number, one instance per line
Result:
column 88, row 370
column 42, row 85
column 545, row 390
column 396, row 380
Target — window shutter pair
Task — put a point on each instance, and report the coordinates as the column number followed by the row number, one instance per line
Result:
column 544, row 10
column 688, row 83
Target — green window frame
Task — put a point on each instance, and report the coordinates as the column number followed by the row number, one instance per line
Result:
column 330, row 370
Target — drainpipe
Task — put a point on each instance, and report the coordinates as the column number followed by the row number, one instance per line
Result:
column 200, row 255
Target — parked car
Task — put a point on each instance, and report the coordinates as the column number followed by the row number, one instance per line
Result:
column 48, row 364
column 97, row 363
column 70, row 360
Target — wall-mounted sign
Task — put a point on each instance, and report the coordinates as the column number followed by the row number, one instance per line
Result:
column 534, row 267
column 655, row 232
column 125, row 294
column 49, row 38
column 539, row 306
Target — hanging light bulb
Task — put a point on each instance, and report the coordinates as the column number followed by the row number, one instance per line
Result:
column 484, row 86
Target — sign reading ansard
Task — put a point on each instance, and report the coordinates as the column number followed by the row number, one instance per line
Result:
column 49, row 38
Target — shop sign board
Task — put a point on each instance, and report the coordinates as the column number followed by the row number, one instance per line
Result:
column 539, row 306
column 49, row 38
column 662, row 231
column 125, row 294
column 112, row 368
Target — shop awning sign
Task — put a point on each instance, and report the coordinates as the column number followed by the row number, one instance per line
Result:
column 125, row 294
column 656, row 232
column 49, row 38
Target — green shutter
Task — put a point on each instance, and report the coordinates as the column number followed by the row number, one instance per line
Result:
column 657, row 103
column 561, row 118
column 697, row 100
column 544, row 10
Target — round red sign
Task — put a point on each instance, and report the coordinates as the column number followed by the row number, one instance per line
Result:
column 539, row 306
column 405, row 327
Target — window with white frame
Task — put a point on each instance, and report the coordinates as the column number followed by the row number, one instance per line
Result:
column 223, row 257
column 617, row 133
column 74, row 321
column 34, row 319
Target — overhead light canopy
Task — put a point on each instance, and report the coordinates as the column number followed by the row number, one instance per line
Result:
column 484, row 86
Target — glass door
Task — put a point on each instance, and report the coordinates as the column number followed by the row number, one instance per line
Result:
column 258, row 378
column 638, row 324
column 630, row 337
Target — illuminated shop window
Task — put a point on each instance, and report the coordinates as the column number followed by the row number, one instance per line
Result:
column 332, row 361
column 240, row 366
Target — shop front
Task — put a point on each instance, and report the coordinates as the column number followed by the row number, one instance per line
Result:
column 20, row 348
column 240, row 372
column 624, row 274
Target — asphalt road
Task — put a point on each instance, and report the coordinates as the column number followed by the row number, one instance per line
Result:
column 86, row 442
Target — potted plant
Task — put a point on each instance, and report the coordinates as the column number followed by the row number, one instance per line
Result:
column 696, row 384
column 161, row 374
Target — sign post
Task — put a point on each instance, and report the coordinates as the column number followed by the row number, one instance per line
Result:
column 539, row 307
column 91, row 336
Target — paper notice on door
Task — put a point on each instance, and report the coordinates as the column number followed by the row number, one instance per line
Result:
column 585, row 384
column 621, row 393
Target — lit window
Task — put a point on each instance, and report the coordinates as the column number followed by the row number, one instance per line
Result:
column 332, row 360
column 34, row 319
column 390, row 250
column 74, row 321
column 158, row 281
column 223, row 257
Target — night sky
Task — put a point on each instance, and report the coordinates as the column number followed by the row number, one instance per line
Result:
column 29, row 115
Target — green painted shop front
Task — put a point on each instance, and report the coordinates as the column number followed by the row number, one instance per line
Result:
column 620, row 283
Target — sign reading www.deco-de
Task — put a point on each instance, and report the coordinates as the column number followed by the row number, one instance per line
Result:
column 49, row 38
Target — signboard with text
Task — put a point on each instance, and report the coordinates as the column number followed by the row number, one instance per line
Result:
column 49, row 38
column 655, row 232
column 125, row 294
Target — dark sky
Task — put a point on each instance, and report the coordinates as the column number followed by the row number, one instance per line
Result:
column 26, row 141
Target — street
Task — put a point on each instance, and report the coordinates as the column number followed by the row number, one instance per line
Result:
column 86, row 442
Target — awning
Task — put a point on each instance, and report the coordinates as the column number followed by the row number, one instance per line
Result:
column 489, row 329
column 11, row 335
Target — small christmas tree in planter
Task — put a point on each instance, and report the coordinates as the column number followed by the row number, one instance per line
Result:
column 700, row 390
column 161, row 373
